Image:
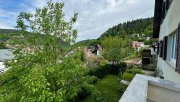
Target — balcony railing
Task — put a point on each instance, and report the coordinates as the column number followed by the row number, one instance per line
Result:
column 150, row 89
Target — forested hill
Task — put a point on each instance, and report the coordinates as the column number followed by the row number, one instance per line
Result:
column 139, row 26
column 8, row 31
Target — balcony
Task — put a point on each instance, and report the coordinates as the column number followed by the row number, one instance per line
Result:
column 150, row 89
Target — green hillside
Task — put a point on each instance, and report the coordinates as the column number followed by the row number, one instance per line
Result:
column 139, row 26
column 8, row 31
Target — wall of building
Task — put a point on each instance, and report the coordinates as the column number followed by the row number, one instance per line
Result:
column 159, row 94
column 169, row 25
column 168, row 69
column 171, row 20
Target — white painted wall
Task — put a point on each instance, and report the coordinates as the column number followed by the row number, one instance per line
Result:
column 159, row 94
column 169, row 25
column 171, row 20
column 168, row 69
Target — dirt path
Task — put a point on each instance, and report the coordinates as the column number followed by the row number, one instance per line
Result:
column 133, row 61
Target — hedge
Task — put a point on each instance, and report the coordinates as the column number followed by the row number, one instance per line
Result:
column 102, row 71
column 128, row 76
column 130, row 73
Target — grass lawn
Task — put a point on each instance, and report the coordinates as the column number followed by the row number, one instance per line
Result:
column 109, row 88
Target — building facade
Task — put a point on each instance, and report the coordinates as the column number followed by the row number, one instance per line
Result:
column 167, row 31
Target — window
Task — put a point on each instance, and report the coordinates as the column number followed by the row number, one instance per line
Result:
column 173, row 48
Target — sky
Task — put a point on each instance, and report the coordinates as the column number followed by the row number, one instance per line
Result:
column 94, row 16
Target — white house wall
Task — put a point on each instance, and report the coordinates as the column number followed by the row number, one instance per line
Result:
column 169, row 25
column 168, row 70
column 171, row 20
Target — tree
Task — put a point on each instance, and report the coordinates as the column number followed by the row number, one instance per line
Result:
column 116, row 49
column 40, row 72
column 48, row 30
column 139, row 26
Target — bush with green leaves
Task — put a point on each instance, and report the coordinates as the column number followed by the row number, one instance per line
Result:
column 95, row 61
column 122, row 88
column 4, row 37
column 101, row 71
column 134, row 71
column 148, row 42
column 2, row 45
column 128, row 76
column 130, row 73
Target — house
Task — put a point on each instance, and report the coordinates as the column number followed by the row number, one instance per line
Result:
column 167, row 34
column 137, row 45
column 96, row 49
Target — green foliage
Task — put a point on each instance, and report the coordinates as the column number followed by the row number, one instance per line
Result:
column 2, row 45
column 111, row 89
column 4, row 37
column 40, row 72
column 95, row 61
column 141, row 51
column 150, row 67
column 9, row 31
column 131, row 72
column 83, row 57
column 134, row 71
column 139, row 39
column 139, row 26
column 101, row 71
column 37, row 82
column 122, row 66
column 122, row 88
column 148, row 42
column 116, row 49
column 128, row 76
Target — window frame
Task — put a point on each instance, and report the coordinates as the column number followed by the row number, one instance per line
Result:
column 173, row 44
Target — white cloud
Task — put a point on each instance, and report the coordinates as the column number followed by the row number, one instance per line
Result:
column 5, row 25
column 95, row 16
column 39, row 3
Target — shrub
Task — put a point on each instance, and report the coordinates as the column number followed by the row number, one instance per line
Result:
column 128, row 76
column 83, row 57
column 122, row 88
column 149, row 67
column 130, row 73
column 148, row 42
column 134, row 71
column 2, row 45
column 100, row 72
column 123, row 66
column 104, row 70
column 95, row 62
